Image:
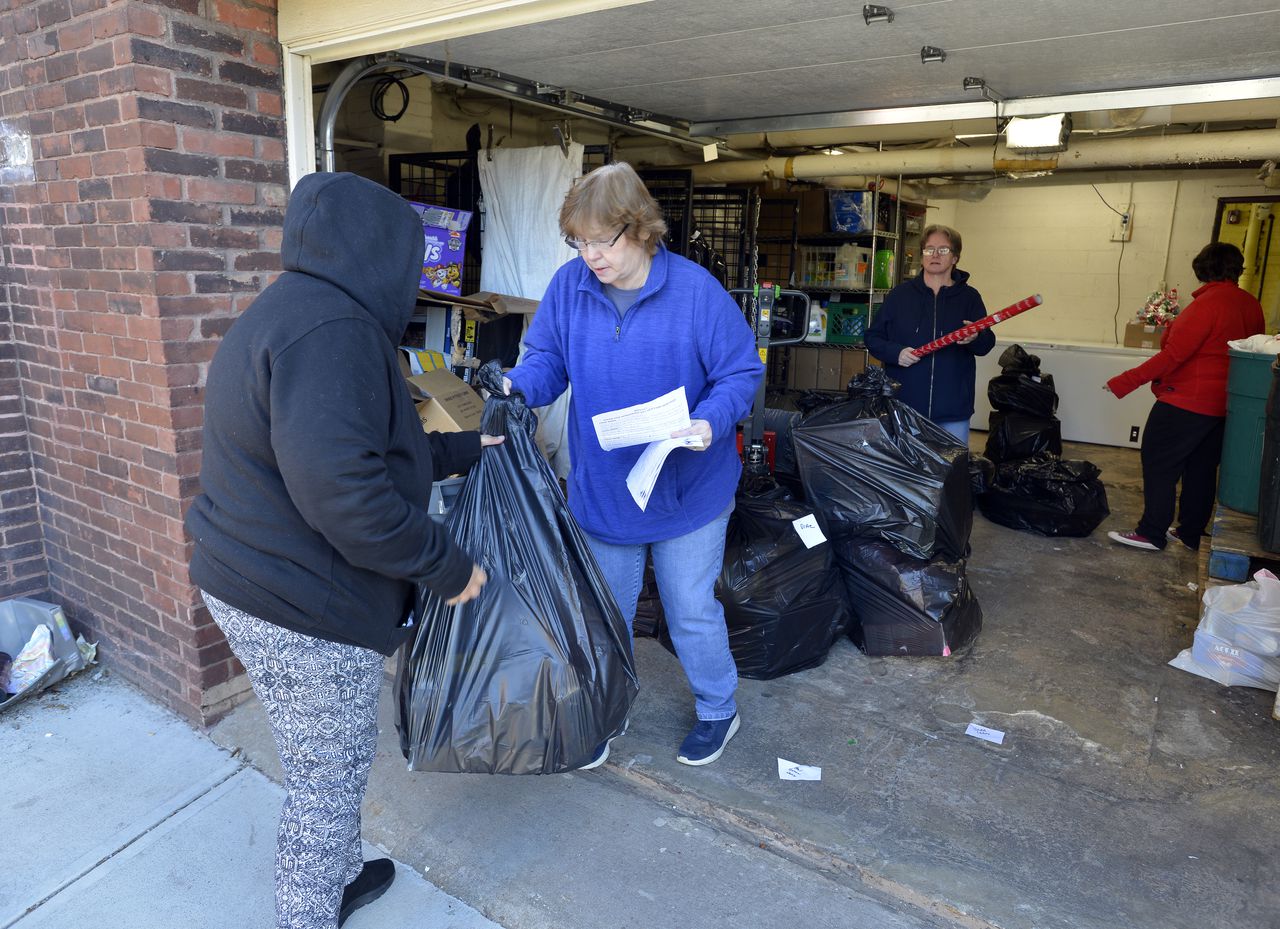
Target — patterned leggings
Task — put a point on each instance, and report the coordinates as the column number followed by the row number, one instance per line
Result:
column 322, row 700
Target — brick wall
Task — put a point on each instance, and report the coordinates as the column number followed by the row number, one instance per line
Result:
column 148, row 218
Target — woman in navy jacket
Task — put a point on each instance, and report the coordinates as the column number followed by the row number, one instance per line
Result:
column 937, row 301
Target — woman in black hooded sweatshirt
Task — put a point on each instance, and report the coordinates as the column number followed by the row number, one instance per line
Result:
column 312, row 531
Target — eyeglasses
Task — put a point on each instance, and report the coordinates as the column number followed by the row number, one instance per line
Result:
column 583, row 244
column 943, row 250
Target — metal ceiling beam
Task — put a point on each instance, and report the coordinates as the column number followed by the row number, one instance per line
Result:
column 557, row 99
column 1219, row 92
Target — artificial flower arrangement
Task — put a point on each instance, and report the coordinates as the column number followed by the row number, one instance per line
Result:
column 1160, row 309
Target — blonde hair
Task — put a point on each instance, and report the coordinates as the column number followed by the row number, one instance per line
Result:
column 952, row 236
column 610, row 197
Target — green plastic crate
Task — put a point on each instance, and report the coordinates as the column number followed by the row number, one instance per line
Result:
column 847, row 323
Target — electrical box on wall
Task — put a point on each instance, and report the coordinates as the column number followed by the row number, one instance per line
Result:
column 1122, row 225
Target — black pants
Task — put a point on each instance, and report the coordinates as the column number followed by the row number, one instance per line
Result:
column 1179, row 446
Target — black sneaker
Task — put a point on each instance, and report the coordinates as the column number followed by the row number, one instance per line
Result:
column 374, row 879
column 707, row 740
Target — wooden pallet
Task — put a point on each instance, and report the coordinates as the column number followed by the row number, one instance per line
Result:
column 1233, row 553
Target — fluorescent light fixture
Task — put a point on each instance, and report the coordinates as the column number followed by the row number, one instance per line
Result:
column 876, row 14
column 1038, row 134
column 930, row 53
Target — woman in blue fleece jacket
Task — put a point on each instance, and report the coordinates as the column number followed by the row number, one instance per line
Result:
column 937, row 301
column 626, row 322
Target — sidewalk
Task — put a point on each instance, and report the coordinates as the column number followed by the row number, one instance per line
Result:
column 119, row 816
column 129, row 819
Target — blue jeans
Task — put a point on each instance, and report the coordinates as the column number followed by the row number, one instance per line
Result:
column 958, row 428
column 686, row 568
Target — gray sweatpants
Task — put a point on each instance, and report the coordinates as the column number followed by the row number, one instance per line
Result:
column 322, row 700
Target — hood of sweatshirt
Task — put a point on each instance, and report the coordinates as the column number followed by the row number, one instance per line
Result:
column 361, row 238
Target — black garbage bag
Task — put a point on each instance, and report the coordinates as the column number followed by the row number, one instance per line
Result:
column 532, row 675
column 1023, row 393
column 649, row 615
column 1014, row 436
column 784, row 603
column 906, row 606
column 813, row 400
column 982, row 471
column 875, row 468
column 1016, row 360
column 1047, row 495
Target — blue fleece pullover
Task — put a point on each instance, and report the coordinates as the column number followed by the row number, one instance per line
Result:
column 683, row 329
column 941, row 384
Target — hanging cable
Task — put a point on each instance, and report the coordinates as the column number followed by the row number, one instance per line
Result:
column 379, row 92
column 1107, row 205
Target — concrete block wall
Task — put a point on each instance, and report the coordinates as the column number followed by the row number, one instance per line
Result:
column 1056, row 240
column 147, row 218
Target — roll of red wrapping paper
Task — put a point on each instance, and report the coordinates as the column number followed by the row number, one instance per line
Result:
column 999, row 316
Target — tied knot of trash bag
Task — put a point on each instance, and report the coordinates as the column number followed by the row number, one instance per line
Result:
column 1016, row 360
column 873, row 382
column 503, row 412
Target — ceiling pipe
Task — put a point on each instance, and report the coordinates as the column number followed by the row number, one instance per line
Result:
column 1190, row 149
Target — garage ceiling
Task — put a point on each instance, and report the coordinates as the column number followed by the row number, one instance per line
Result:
column 757, row 64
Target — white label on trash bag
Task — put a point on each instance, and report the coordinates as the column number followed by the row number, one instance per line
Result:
column 982, row 732
column 807, row 529
column 790, row 771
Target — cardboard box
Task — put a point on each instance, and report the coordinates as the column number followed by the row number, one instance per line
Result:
column 1140, row 335
column 445, row 231
column 812, row 219
column 485, row 307
column 446, row 404
column 417, row 360
column 816, row 367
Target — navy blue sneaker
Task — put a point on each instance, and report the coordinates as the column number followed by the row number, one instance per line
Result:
column 602, row 752
column 372, row 882
column 707, row 740
column 601, row 756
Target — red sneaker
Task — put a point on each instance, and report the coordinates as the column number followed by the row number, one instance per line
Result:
column 1133, row 540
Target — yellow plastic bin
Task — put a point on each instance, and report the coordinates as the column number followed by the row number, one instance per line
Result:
column 1248, row 384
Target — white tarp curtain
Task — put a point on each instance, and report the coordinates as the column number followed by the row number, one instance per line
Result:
column 523, row 246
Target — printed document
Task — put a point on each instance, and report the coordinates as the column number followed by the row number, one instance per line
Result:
column 648, row 424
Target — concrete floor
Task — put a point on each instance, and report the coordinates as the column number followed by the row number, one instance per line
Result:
column 1125, row 794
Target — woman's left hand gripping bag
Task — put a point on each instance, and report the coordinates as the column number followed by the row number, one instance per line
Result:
column 535, row 673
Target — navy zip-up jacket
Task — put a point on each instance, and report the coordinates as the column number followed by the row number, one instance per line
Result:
column 941, row 384
column 316, row 472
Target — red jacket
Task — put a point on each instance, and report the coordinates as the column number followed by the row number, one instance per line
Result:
column 1190, row 370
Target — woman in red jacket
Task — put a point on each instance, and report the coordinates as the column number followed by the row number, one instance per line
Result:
column 1183, row 437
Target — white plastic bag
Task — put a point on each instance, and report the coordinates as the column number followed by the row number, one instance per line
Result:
column 1238, row 640
column 35, row 658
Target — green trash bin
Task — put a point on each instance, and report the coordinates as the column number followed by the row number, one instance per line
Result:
column 1248, row 384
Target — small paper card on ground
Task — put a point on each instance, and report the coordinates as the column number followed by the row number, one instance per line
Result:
column 790, row 771
column 982, row 732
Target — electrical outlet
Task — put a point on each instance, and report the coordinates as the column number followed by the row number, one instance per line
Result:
column 1133, row 433
column 1122, row 226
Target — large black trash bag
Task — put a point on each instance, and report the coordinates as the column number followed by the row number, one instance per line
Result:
column 1047, row 495
column 1016, row 360
column 1020, row 387
column 875, row 468
column 982, row 471
column 1014, row 436
column 905, row 606
column 784, row 603
column 532, row 675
